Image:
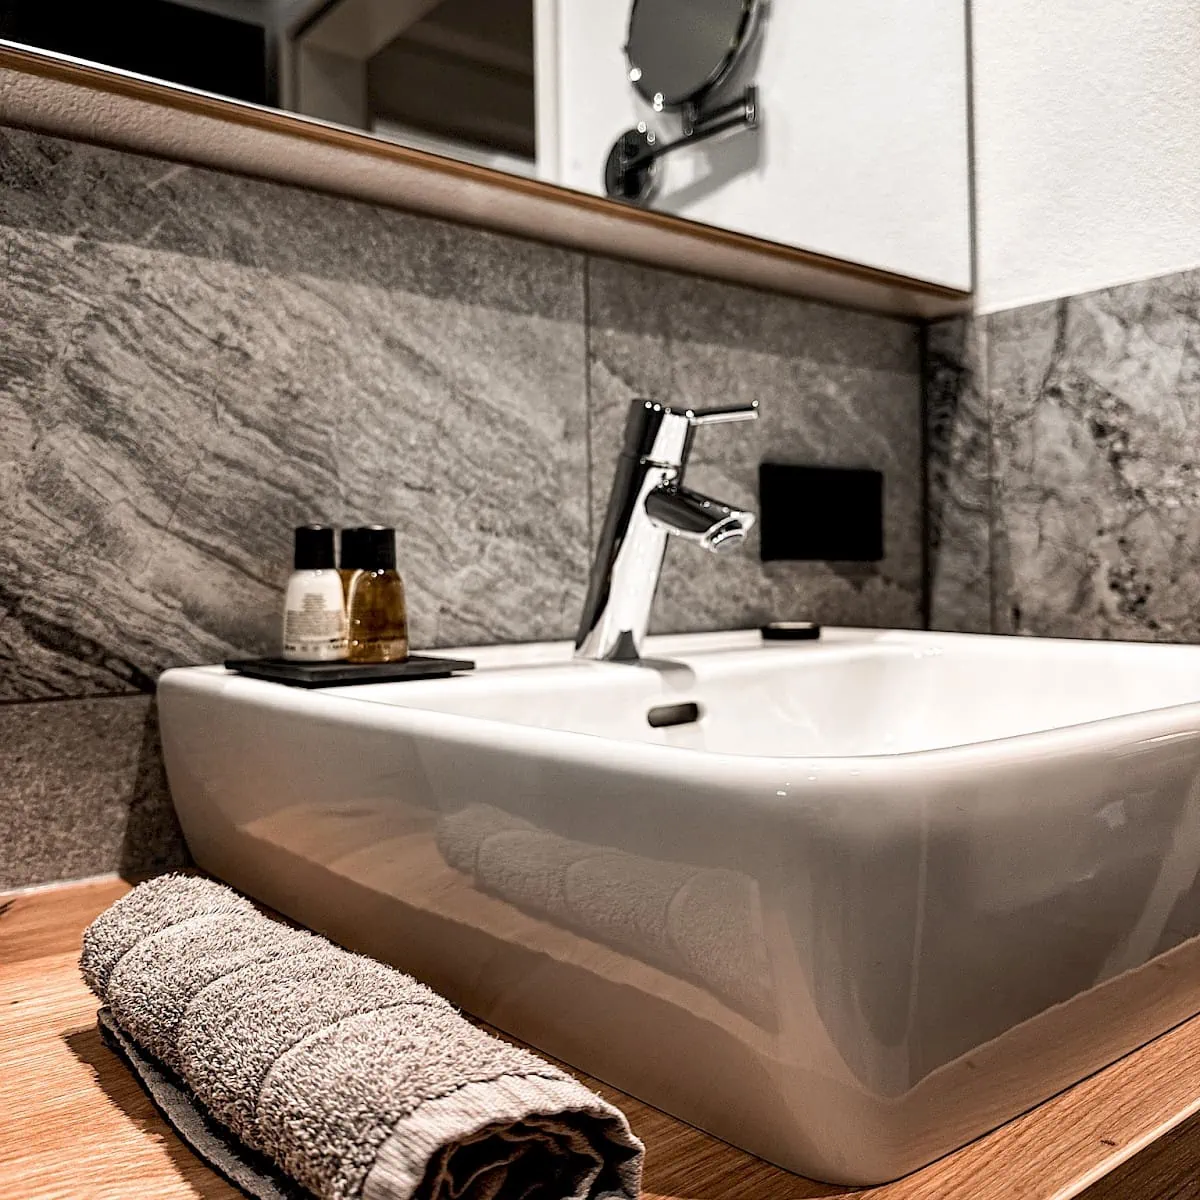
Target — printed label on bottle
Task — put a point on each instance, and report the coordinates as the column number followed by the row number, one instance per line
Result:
column 316, row 627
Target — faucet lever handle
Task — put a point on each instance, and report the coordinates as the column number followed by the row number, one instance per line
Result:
column 722, row 416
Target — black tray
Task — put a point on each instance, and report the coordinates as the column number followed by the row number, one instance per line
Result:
column 339, row 674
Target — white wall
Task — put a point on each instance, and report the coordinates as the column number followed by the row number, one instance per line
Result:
column 1087, row 131
column 863, row 149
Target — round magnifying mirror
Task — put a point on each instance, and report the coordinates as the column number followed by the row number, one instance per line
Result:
column 680, row 49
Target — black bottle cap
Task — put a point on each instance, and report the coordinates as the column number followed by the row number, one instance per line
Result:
column 374, row 548
column 314, row 548
column 351, row 556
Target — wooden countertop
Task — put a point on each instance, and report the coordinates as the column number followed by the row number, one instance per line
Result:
column 74, row 1123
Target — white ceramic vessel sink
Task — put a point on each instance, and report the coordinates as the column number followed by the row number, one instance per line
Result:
column 881, row 893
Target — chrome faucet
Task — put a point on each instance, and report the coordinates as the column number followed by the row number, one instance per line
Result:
column 647, row 503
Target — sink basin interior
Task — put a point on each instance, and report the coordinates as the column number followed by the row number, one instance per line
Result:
column 834, row 699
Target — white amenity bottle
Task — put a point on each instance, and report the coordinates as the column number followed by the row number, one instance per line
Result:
column 314, row 610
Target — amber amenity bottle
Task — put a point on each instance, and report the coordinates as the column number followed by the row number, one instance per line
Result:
column 377, row 616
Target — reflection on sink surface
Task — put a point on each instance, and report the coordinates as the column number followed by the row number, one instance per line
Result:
column 697, row 922
column 873, row 895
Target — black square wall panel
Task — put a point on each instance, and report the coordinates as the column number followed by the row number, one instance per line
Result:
column 826, row 514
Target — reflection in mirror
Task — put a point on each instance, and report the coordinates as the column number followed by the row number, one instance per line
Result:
column 680, row 49
column 455, row 77
column 221, row 46
column 839, row 129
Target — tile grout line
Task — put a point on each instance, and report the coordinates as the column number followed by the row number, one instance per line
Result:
column 926, row 491
column 27, row 701
column 587, row 399
column 983, row 359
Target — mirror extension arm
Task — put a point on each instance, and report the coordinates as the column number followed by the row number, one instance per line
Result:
column 631, row 170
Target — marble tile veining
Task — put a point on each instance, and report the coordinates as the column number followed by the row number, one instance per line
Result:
column 836, row 388
column 89, row 194
column 174, row 397
column 1096, row 425
column 82, row 791
column 959, row 481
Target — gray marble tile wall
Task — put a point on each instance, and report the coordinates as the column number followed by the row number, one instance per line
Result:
column 191, row 363
column 1064, row 466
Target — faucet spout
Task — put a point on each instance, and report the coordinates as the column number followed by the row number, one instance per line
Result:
column 708, row 523
column 648, row 504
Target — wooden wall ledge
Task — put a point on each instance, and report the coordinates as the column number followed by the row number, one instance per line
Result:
column 52, row 94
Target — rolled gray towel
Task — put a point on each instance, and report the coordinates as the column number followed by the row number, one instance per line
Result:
column 700, row 923
column 352, row 1078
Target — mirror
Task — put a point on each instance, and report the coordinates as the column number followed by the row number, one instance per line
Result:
column 679, row 56
column 838, row 129
column 680, row 49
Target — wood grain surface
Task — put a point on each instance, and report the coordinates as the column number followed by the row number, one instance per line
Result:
column 74, row 1124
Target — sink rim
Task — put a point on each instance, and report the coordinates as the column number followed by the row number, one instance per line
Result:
column 1142, row 725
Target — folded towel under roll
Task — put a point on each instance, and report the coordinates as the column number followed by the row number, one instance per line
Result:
column 700, row 923
column 352, row 1078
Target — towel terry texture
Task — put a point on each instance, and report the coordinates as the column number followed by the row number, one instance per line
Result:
column 253, row 1173
column 699, row 923
column 354, row 1079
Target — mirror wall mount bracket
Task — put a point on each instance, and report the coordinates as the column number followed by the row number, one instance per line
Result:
column 631, row 169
